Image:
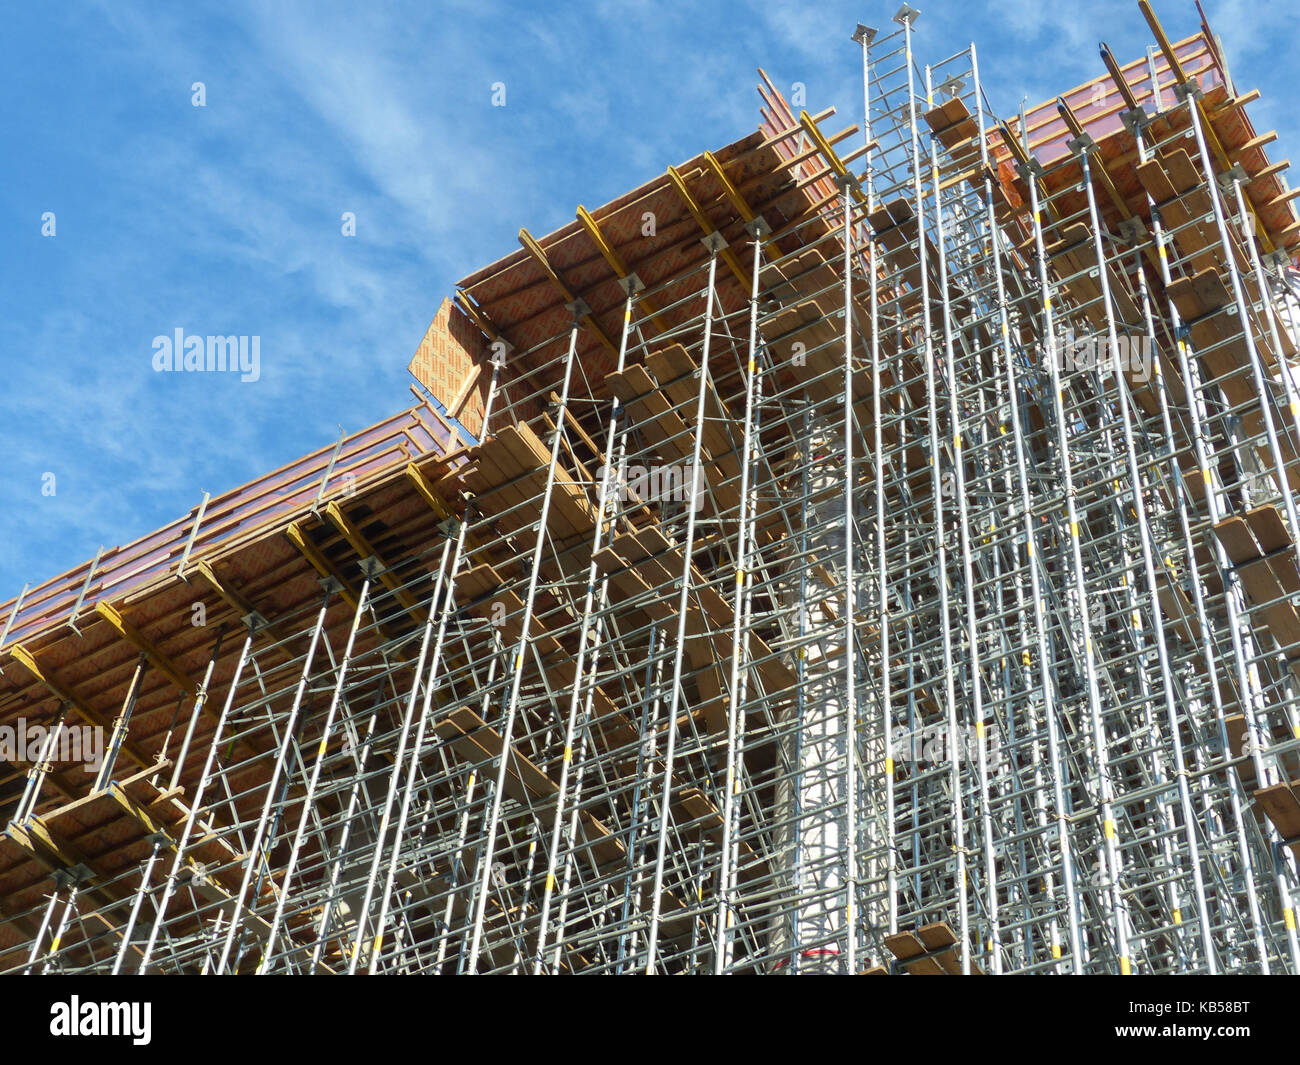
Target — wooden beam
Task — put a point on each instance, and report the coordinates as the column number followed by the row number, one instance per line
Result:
column 539, row 256
column 477, row 316
column 462, row 393
column 319, row 562
column 1165, row 47
column 137, row 639
column 1117, row 76
column 702, row 220
column 243, row 606
column 737, row 200
column 426, row 491
column 1076, row 128
column 1237, row 102
column 831, row 156
column 66, row 695
column 139, row 813
column 364, row 550
column 616, row 264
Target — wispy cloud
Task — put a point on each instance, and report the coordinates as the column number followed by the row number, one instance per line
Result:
column 226, row 219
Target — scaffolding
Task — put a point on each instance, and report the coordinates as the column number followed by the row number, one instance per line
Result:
column 788, row 569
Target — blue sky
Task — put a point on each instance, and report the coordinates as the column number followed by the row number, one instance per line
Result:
column 225, row 219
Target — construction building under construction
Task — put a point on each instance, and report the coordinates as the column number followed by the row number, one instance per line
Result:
column 869, row 550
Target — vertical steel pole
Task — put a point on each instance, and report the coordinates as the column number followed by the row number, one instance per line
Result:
column 715, row 243
column 580, row 665
column 158, row 840
column 363, row 601
column 45, row 923
column 955, row 752
column 443, row 606
column 850, row 607
column 936, row 491
column 736, row 710
column 1108, row 854
column 1148, row 569
column 864, row 35
column 197, row 802
column 200, row 700
column 512, row 709
column 255, row 859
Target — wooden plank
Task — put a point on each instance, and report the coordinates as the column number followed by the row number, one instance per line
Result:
column 1266, row 524
column 1176, row 606
column 478, row 743
column 1234, row 534
column 1275, row 542
column 631, row 585
column 1279, row 802
column 1253, row 144
column 951, row 122
column 939, row 935
column 1263, row 589
column 905, row 945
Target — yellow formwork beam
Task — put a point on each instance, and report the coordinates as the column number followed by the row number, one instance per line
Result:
column 617, row 265
column 319, row 562
column 364, row 550
column 141, row 643
column 476, row 316
column 426, row 492
column 831, row 156
column 1211, row 138
column 737, row 200
column 539, row 256
column 701, row 219
column 243, row 607
column 28, row 661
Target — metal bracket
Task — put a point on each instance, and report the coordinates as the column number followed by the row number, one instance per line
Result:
column 371, row 567
column 189, row 544
column 715, row 241
column 631, row 284
column 907, row 16
column 254, row 620
column 846, row 182
column 1235, row 173
column 1030, row 170
column 758, row 228
column 1135, row 119
column 1188, row 88
column 1132, row 230
column 952, row 85
column 329, row 470
column 13, row 614
column 864, row 34
column 578, row 308
column 1082, row 143
column 79, row 873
